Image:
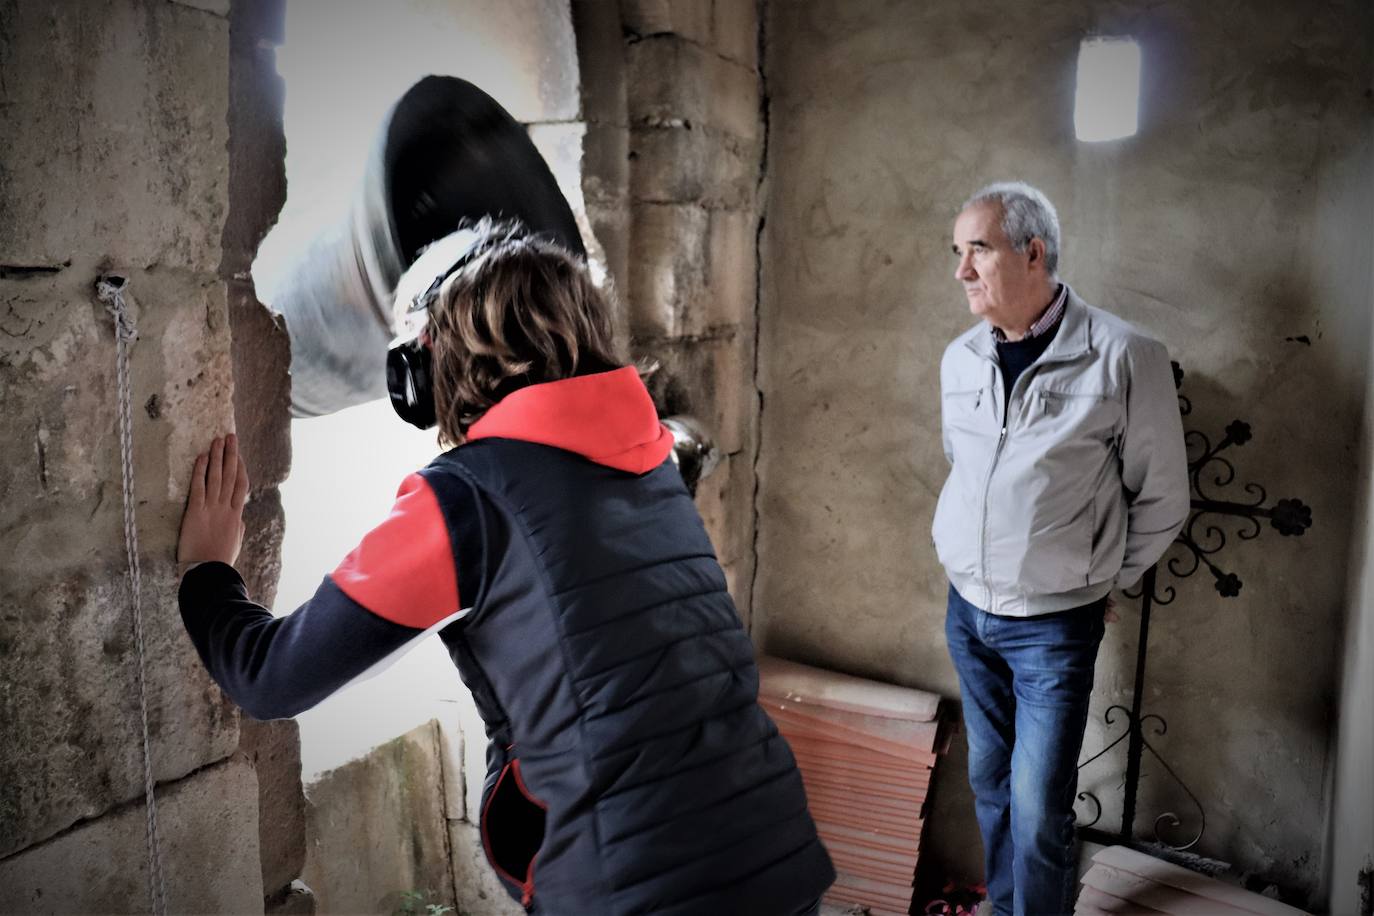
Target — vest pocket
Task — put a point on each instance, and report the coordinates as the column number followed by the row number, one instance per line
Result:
column 513, row 830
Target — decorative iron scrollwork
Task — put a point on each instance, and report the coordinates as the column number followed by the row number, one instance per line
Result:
column 1211, row 476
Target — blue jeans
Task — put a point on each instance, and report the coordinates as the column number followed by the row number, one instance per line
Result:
column 1025, row 684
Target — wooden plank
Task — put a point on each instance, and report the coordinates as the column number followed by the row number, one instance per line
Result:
column 1103, row 902
column 896, row 759
column 790, row 722
column 904, row 857
column 1083, row 908
column 854, row 757
column 855, row 772
column 868, row 787
column 903, row 867
column 863, row 799
column 917, row 735
column 876, row 871
column 854, row 754
column 1143, row 891
column 866, row 837
column 1176, row 876
column 803, row 683
column 863, row 802
column 906, row 834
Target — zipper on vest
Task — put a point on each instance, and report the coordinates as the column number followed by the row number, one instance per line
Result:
column 527, row 886
column 511, row 768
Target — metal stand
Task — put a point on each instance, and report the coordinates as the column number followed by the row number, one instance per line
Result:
column 1289, row 517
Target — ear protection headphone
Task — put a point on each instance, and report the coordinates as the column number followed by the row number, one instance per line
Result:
column 409, row 382
column 409, row 379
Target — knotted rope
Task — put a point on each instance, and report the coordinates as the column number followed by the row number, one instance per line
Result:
column 110, row 290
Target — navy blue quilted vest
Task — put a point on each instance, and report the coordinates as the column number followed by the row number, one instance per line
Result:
column 630, row 768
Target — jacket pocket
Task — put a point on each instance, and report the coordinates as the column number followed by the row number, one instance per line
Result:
column 513, row 830
column 970, row 430
column 1076, row 417
column 968, row 411
column 955, row 528
column 1058, row 557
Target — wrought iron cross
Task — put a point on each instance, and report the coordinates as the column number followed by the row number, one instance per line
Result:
column 1209, row 472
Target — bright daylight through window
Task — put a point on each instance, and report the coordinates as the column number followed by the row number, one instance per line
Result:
column 1108, row 95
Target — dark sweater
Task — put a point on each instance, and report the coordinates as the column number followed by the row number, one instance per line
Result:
column 1016, row 356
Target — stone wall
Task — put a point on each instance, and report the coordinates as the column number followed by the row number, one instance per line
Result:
column 377, row 829
column 162, row 160
column 124, row 153
column 672, row 95
column 1229, row 227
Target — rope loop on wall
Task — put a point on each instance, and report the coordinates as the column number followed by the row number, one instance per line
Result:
column 110, row 290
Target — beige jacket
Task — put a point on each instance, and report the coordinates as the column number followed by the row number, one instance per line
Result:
column 1082, row 484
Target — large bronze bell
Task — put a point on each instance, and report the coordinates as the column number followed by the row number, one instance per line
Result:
column 445, row 153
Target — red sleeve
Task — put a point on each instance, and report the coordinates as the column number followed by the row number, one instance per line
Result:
column 404, row 569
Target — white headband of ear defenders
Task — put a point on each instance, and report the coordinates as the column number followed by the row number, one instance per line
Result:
column 419, row 285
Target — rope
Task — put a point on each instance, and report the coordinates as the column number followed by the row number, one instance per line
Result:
column 110, row 290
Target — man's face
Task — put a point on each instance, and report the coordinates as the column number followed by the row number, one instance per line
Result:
column 999, row 282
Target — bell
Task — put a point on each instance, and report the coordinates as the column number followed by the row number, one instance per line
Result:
column 446, row 153
column 694, row 451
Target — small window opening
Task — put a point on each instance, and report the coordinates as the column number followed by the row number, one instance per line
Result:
column 1107, row 105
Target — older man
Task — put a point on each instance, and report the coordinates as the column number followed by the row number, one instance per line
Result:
column 1068, row 478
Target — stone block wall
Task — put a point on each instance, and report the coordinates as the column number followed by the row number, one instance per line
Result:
column 377, row 829
column 261, row 354
column 673, row 97
column 160, row 159
column 388, row 832
column 209, row 857
column 139, row 141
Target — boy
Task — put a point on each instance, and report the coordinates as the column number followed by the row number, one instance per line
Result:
column 557, row 553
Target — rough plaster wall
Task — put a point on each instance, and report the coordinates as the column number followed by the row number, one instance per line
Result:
column 1352, row 825
column 1219, row 229
column 1351, row 837
column 130, row 166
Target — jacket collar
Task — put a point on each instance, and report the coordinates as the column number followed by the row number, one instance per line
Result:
column 1071, row 341
column 607, row 418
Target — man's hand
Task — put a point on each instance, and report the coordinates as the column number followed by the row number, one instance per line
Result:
column 212, row 528
column 1109, row 614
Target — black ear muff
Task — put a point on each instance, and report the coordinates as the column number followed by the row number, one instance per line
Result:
column 410, row 384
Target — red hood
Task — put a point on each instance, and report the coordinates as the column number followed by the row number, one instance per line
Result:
column 608, row 418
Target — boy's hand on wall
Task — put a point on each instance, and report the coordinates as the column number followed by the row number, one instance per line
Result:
column 212, row 528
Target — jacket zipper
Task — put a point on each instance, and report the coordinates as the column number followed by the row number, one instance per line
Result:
column 992, row 466
column 1039, row 363
column 983, row 532
column 527, row 885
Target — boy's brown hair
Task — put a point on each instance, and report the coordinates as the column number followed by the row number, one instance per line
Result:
column 520, row 311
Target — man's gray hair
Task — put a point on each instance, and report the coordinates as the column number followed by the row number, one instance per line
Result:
column 1026, row 214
